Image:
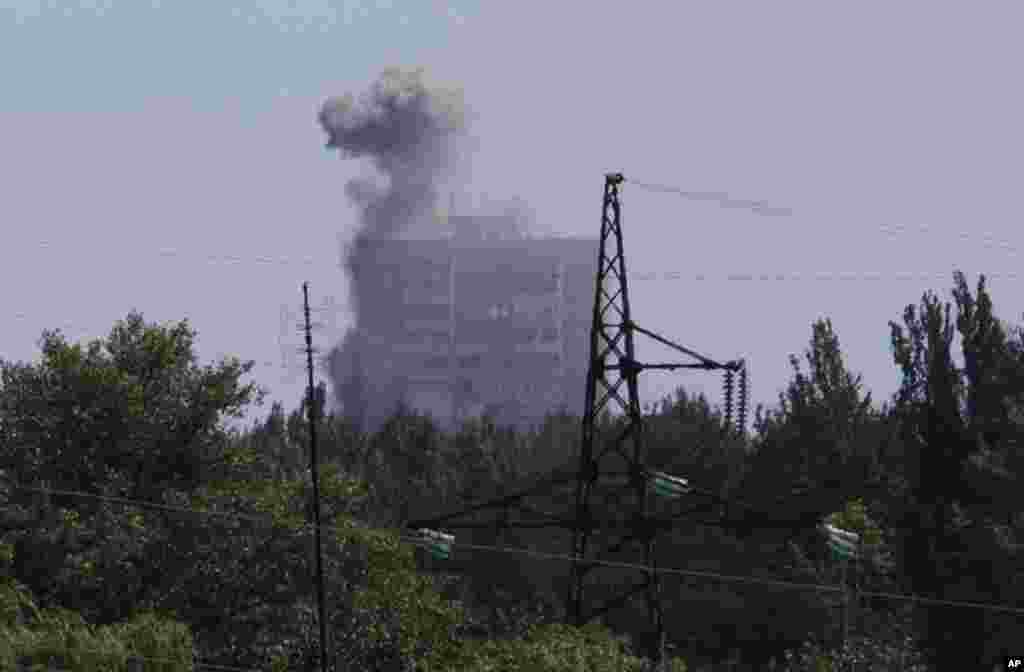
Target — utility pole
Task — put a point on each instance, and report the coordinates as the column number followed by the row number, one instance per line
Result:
column 844, row 616
column 315, row 470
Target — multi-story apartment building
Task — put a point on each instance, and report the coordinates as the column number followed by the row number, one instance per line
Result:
column 475, row 322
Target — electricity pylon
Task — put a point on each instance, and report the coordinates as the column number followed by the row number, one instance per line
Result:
column 613, row 379
column 612, row 366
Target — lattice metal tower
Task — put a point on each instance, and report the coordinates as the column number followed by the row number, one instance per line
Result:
column 613, row 380
column 599, row 530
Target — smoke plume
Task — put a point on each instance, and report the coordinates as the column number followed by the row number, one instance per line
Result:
column 409, row 132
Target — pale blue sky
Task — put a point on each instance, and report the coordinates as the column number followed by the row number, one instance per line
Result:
column 892, row 130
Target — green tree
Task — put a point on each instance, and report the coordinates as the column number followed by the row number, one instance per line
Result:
column 132, row 415
column 807, row 459
column 270, row 440
column 63, row 636
column 248, row 594
column 555, row 648
column 249, row 586
column 815, row 443
column 959, row 514
column 135, row 405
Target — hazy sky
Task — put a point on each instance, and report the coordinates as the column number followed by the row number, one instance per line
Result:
column 138, row 140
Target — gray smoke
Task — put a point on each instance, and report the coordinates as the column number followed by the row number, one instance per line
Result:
column 409, row 132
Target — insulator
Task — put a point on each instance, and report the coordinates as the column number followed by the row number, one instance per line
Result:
column 727, row 394
column 744, row 395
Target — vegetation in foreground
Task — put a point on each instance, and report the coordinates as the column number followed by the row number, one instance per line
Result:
column 223, row 574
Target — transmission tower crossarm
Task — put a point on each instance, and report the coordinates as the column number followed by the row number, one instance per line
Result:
column 640, row 366
column 706, row 362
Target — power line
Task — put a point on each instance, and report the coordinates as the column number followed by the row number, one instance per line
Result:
column 839, row 276
column 986, row 239
column 762, row 208
column 760, row 276
column 235, row 259
column 549, row 556
column 739, row 579
column 723, row 199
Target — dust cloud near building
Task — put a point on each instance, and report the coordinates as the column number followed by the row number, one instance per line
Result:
column 455, row 314
column 473, row 324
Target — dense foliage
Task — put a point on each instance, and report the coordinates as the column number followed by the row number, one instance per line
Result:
column 186, row 540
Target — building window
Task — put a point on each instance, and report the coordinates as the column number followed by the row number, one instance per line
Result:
column 525, row 335
column 436, row 363
column 469, row 362
column 500, row 311
column 426, row 311
column 425, row 294
column 534, row 283
column 437, row 339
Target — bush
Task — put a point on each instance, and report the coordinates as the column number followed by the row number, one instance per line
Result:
column 63, row 636
column 557, row 648
column 857, row 654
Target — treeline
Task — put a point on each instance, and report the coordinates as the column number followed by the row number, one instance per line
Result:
column 224, row 573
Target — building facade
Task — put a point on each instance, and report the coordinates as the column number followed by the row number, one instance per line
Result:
column 477, row 323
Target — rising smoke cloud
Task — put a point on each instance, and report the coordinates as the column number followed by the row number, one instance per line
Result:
column 409, row 131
